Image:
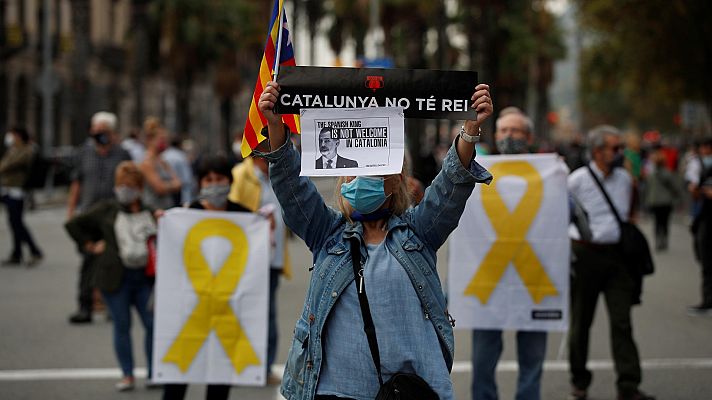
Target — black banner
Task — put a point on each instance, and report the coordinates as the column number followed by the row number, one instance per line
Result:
column 422, row 93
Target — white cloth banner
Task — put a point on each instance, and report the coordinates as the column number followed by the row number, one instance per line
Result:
column 212, row 281
column 352, row 141
column 509, row 256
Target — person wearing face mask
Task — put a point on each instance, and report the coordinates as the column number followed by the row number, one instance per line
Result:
column 115, row 232
column 214, row 178
column 251, row 187
column 161, row 180
column 513, row 136
column 14, row 168
column 598, row 267
column 92, row 179
column 329, row 357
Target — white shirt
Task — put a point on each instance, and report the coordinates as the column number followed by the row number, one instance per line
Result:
column 325, row 162
column 603, row 224
column 693, row 170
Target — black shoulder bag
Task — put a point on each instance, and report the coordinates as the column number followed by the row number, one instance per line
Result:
column 401, row 386
column 633, row 244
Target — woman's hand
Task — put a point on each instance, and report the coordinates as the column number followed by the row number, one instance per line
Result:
column 482, row 103
column 267, row 101
column 95, row 248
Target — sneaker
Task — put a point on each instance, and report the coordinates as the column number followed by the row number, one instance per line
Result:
column 34, row 260
column 80, row 317
column 636, row 396
column 700, row 310
column 11, row 262
column 577, row 394
column 125, row 385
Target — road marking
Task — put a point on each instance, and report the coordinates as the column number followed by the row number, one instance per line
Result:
column 599, row 365
column 458, row 367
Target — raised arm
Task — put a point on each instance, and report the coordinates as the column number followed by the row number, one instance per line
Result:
column 439, row 212
column 304, row 210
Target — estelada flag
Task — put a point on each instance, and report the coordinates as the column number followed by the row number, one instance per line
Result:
column 252, row 135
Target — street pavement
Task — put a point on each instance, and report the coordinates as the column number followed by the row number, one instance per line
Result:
column 42, row 356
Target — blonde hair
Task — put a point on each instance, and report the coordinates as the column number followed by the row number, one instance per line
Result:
column 152, row 127
column 128, row 172
column 400, row 199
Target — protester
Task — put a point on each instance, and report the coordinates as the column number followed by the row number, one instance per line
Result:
column 513, row 136
column 15, row 167
column 116, row 233
column 92, row 181
column 178, row 160
column 251, row 187
column 702, row 228
column 214, row 178
column 330, row 356
column 161, row 181
column 661, row 194
column 598, row 267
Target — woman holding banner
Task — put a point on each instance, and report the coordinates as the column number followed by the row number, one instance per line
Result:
column 214, row 178
column 330, row 357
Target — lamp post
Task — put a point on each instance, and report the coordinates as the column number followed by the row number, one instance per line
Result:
column 48, row 82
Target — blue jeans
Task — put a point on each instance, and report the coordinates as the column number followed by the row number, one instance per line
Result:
column 486, row 350
column 135, row 290
column 272, row 333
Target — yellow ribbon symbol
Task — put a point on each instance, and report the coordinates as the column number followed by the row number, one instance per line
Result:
column 213, row 310
column 511, row 244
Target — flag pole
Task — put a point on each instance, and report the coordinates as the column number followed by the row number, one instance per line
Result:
column 279, row 41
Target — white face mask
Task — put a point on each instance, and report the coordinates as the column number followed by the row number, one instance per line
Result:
column 9, row 139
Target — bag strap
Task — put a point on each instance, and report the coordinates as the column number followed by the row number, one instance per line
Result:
column 368, row 326
column 605, row 194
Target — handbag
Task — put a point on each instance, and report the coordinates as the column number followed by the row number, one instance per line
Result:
column 401, row 386
column 633, row 244
column 151, row 258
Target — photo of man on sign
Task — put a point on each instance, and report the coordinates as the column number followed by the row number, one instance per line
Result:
column 330, row 158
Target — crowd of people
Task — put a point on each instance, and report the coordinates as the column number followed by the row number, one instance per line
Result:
column 119, row 189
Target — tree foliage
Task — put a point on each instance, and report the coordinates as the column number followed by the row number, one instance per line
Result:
column 643, row 57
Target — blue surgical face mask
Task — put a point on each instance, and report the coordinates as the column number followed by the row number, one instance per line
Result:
column 365, row 193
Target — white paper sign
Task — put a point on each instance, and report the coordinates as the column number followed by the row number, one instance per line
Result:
column 509, row 256
column 352, row 142
column 211, row 298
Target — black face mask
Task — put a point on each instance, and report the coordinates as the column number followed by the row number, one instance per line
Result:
column 101, row 138
column 617, row 161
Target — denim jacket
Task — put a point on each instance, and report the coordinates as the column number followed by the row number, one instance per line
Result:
column 413, row 238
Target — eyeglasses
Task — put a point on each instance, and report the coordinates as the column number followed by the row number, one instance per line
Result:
column 615, row 148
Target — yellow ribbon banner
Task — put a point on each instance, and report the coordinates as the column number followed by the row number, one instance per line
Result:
column 511, row 229
column 213, row 310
